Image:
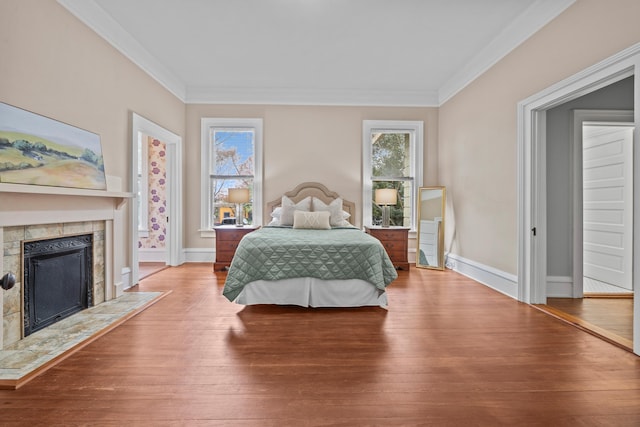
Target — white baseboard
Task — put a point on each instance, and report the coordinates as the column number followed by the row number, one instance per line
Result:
column 412, row 256
column 125, row 284
column 199, row 255
column 495, row 279
column 152, row 255
column 559, row 287
column 119, row 289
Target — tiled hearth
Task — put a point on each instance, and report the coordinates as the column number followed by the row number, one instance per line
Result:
column 12, row 318
column 29, row 357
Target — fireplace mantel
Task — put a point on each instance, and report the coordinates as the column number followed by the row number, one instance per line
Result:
column 120, row 197
column 33, row 204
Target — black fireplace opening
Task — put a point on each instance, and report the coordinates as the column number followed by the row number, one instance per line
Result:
column 58, row 278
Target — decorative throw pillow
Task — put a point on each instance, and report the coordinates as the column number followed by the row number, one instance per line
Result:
column 276, row 213
column 311, row 220
column 288, row 208
column 275, row 216
column 337, row 215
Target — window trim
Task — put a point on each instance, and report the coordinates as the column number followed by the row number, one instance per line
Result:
column 206, row 128
column 416, row 129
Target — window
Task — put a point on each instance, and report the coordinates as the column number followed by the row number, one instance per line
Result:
column 231, row 158
column 392, row 158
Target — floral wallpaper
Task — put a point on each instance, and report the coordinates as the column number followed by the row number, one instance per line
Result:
column 157, row 196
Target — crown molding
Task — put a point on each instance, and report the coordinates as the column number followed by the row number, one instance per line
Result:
column 288, row 96
column 535, row 17
column 524, row 26
column 93, row 16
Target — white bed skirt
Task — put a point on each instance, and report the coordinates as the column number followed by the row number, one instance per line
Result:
column 311, row 292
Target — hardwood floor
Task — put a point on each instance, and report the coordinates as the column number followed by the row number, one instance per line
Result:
column 449, row 351
column 609, row 317
column 148, row 268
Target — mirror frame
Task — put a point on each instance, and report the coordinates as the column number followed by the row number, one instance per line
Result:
column 440, row 237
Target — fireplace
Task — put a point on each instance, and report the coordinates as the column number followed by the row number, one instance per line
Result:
column 31, row 212
column 58, row 279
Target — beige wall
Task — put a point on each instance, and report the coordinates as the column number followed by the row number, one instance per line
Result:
column 60, row 68
column 477, row 139
column 54, row 65
column 303, row 143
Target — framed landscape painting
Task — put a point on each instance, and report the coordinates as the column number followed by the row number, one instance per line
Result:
column 38, row 150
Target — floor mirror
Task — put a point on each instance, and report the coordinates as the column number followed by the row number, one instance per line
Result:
column 430, row 238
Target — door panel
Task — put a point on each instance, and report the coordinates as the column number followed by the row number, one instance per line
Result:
column 608, row 204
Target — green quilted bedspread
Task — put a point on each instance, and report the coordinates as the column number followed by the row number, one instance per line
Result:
column 274, row 253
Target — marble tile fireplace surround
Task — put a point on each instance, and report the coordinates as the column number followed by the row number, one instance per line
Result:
column 30, row 213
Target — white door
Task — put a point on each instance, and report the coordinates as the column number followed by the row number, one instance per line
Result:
column 608, row 203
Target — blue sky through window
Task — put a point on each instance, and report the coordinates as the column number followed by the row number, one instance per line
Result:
column 234, row 158
column 225, row 142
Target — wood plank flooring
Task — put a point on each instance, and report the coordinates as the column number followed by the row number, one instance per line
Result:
column 449, row 351
column 148, row 268
column 609, row 317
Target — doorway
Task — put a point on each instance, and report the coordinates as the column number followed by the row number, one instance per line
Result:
column 607, row 222
column 156, row 168
column 601, row 300
column 533, row 219
column 152, row 202
column 603, row 166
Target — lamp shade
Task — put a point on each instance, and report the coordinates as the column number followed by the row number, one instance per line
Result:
column 238, row 195
column 386, row 196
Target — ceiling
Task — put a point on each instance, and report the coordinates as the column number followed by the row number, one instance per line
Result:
column 320, row 52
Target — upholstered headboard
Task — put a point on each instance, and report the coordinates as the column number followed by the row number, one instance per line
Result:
column 314, row 189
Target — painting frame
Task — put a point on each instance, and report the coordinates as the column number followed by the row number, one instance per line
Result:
column 39, row 150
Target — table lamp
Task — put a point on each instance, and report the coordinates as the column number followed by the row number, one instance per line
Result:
column 238, row 196
column 385, row 197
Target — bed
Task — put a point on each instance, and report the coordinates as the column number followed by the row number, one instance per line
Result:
column 311, row 255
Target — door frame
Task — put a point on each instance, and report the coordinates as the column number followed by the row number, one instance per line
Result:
column 579, row 117
column 531, row 139
column 141, row 125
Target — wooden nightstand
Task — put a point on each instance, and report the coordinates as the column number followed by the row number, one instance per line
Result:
column 396, row 242
column 227, row 239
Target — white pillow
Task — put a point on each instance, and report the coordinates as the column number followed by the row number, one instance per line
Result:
column 311, row 220
column 337, row 218
column 334, row 208
column 276, row 213
column 275, row 216
column 288, row 208
column 274, row 222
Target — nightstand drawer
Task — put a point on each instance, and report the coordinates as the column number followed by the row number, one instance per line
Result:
column 232, row 235
column 394, row 245
column 397, row 255
column 224, row 256
column 227, row 245
column 395, row 242
column 388, row 235
column 227, row 240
